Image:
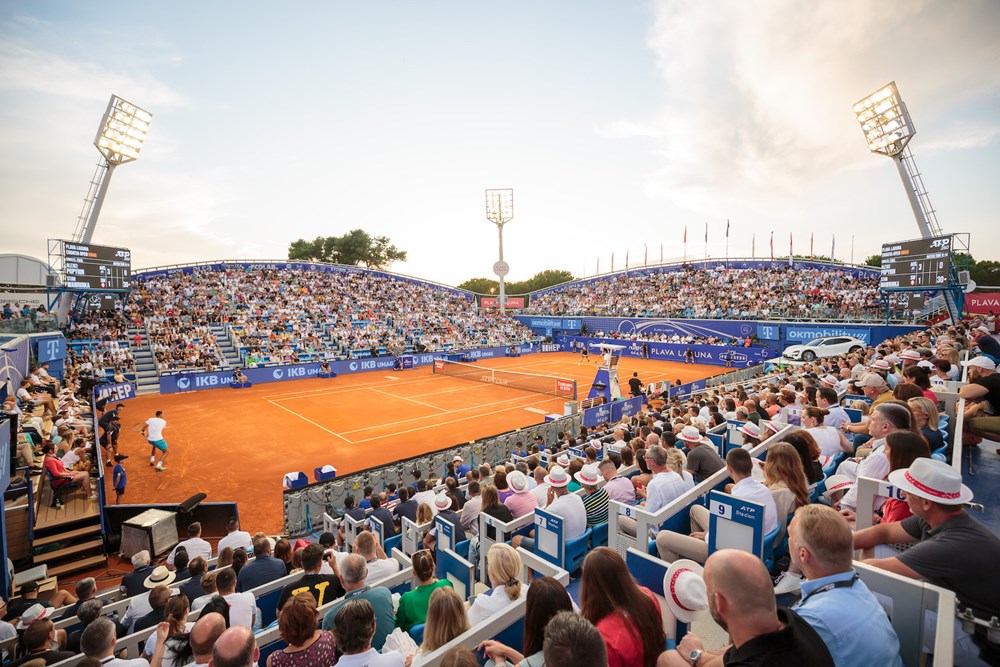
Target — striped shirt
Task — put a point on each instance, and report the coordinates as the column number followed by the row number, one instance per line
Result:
column 596, row 505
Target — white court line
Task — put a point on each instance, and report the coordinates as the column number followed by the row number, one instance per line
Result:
column 405, row 398
column 424, row 428
column 306, row 393
column 451, row 412
column 310, row 421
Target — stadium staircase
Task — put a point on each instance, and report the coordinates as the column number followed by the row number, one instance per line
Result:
column 147, row 380
column 226, row 346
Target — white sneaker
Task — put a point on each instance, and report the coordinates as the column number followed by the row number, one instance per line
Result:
column 788, row 582
column 160, row 467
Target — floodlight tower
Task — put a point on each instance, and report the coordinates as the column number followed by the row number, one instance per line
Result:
column 888, row 130
column 500, row 211
column 119, row 140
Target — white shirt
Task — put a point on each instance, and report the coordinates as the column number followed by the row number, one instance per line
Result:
column 828, row 439
column 381, row 568
column 372, row 658
column 195, row 547
column 426, row 497
column 491, row 602
column 541, row 492
column 875, row 465
column 752, row 490
column 570, row 507
column 664, row 488
column 836, row 417
column 242, row 607
column 237, row 538
column 138, row 608
column 154, row 428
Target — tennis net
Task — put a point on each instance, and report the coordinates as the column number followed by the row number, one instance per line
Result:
column 542, row 384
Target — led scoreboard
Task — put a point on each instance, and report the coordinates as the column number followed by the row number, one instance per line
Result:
column 919, row 264
column 97, row 267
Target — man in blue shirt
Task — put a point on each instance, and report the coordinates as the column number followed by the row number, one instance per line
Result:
column 835, row 602
column 460, row 468
column 263, row 569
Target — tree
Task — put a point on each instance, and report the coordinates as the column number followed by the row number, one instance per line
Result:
column 540, row 280
column 874, row 260
column 354, row 248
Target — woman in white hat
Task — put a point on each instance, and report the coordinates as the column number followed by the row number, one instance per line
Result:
column 521, row 501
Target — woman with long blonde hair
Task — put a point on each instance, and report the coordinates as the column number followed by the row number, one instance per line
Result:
column 503, row 566
column 785, row 477
column 446, row 619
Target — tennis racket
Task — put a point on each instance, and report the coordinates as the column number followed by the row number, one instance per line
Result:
column 138, row 427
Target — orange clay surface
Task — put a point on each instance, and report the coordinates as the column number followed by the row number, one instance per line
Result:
column 236, row 444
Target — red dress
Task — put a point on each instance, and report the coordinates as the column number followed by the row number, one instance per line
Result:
column 622, row 638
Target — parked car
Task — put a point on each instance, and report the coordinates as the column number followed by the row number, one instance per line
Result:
column 823, row 348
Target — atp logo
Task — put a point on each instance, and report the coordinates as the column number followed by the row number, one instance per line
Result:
column 278, row 373
column 184, row 383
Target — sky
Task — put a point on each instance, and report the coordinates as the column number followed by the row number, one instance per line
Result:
column 617, row 124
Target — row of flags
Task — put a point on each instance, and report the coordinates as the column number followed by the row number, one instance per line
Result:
column 753, row 248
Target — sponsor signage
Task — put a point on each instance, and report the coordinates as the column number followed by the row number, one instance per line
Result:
column 714, row 355
column 170, row 384
column 509, row 302
column 612, row 412
column 796, row 334
column 114, row 392
column 983, row 303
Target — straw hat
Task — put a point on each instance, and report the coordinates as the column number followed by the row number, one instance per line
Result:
column 684, row 590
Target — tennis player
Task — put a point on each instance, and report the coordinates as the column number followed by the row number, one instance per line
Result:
column 584, row 354
column 153, row 432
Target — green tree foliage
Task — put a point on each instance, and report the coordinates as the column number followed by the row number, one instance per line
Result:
column 355, row 248
column 874, row 260
column 539, row 281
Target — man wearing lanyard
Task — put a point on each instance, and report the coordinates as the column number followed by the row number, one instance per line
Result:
column 353, row 576
column 821, row 545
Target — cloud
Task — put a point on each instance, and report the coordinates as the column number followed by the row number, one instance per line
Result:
column 38, row 71
column 758, row 96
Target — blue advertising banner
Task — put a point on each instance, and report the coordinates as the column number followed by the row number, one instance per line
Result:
column 768, row 332
column 194, row 381
column 612, row 412
column 114, row 392
column 715, row 355
column 50, row 347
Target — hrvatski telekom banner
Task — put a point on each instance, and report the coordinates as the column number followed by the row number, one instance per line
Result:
column 982, row 303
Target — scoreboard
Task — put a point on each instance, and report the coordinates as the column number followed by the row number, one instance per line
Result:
column 97, row 267
column 919, row 264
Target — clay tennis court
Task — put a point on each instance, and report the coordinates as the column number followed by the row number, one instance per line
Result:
column 236, row 444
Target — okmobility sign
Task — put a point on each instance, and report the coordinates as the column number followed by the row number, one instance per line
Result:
column 797, row 334
column 194, row 381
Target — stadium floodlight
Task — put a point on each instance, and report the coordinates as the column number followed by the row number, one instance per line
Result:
column 123, row 131
column 888, row 129
column 119, row 139
column 500, row 211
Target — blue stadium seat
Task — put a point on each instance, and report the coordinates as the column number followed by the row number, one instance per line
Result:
column 576, row 551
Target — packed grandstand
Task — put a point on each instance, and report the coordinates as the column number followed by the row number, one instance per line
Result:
column 310, row 598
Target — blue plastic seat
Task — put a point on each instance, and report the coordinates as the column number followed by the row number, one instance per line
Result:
column 576, row 551
column 462, row 549
column 769, row 547
column 599, row 535
column 393, row 541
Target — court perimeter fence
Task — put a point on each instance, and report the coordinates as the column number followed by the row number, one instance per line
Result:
column 304, row 507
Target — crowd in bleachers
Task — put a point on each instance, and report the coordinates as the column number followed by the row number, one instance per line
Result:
column 335, row 603
column 99, row 343
column 720, row 293
column 286, row 316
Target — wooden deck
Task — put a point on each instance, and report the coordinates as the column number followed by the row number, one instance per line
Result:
column 76, row 506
